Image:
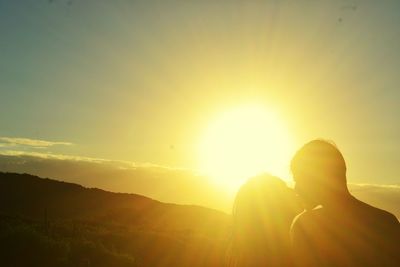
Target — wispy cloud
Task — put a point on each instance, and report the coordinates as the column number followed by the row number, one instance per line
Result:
column 361, row 186
column 48, row 155
column 119, row 164
column 36, row 143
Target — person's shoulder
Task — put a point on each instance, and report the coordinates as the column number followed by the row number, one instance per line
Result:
column 379, row 215
column 305, row 218
column 305, row 226
column 387, row 216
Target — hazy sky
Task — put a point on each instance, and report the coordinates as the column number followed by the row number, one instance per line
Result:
column 140, row 80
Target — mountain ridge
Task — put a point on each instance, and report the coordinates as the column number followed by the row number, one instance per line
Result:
column 75, row 219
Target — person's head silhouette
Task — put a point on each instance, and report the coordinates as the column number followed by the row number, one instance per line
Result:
column 263, row 211
column 344, row 231
column 319, row 171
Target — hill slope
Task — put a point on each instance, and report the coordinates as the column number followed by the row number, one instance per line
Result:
column 127, row 228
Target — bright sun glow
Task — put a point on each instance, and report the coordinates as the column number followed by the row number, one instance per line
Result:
column 243, row 142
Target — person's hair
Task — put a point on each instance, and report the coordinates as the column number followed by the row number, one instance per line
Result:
column 319, row 159
column 262, row 213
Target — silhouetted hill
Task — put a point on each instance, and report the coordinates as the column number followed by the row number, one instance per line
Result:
column 124, row 229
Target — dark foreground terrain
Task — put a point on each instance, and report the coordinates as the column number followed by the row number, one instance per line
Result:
column 45, row 222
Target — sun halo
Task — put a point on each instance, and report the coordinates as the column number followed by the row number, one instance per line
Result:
column 242, row 142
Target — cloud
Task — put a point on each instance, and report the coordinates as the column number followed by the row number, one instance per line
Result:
column 49, row 155
column 14, row 141
column 119, row 164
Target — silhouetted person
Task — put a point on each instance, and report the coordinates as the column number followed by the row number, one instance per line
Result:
column 262, row 214
column 342, row 231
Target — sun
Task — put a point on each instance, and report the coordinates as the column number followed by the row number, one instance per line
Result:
column 242, row 142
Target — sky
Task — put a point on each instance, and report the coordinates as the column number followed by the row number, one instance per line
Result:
column 140, row 81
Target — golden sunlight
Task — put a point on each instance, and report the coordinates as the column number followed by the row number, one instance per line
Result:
column 242, row 142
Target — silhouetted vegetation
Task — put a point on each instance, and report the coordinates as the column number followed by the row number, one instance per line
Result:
column 50, row 223
column 28, row 243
